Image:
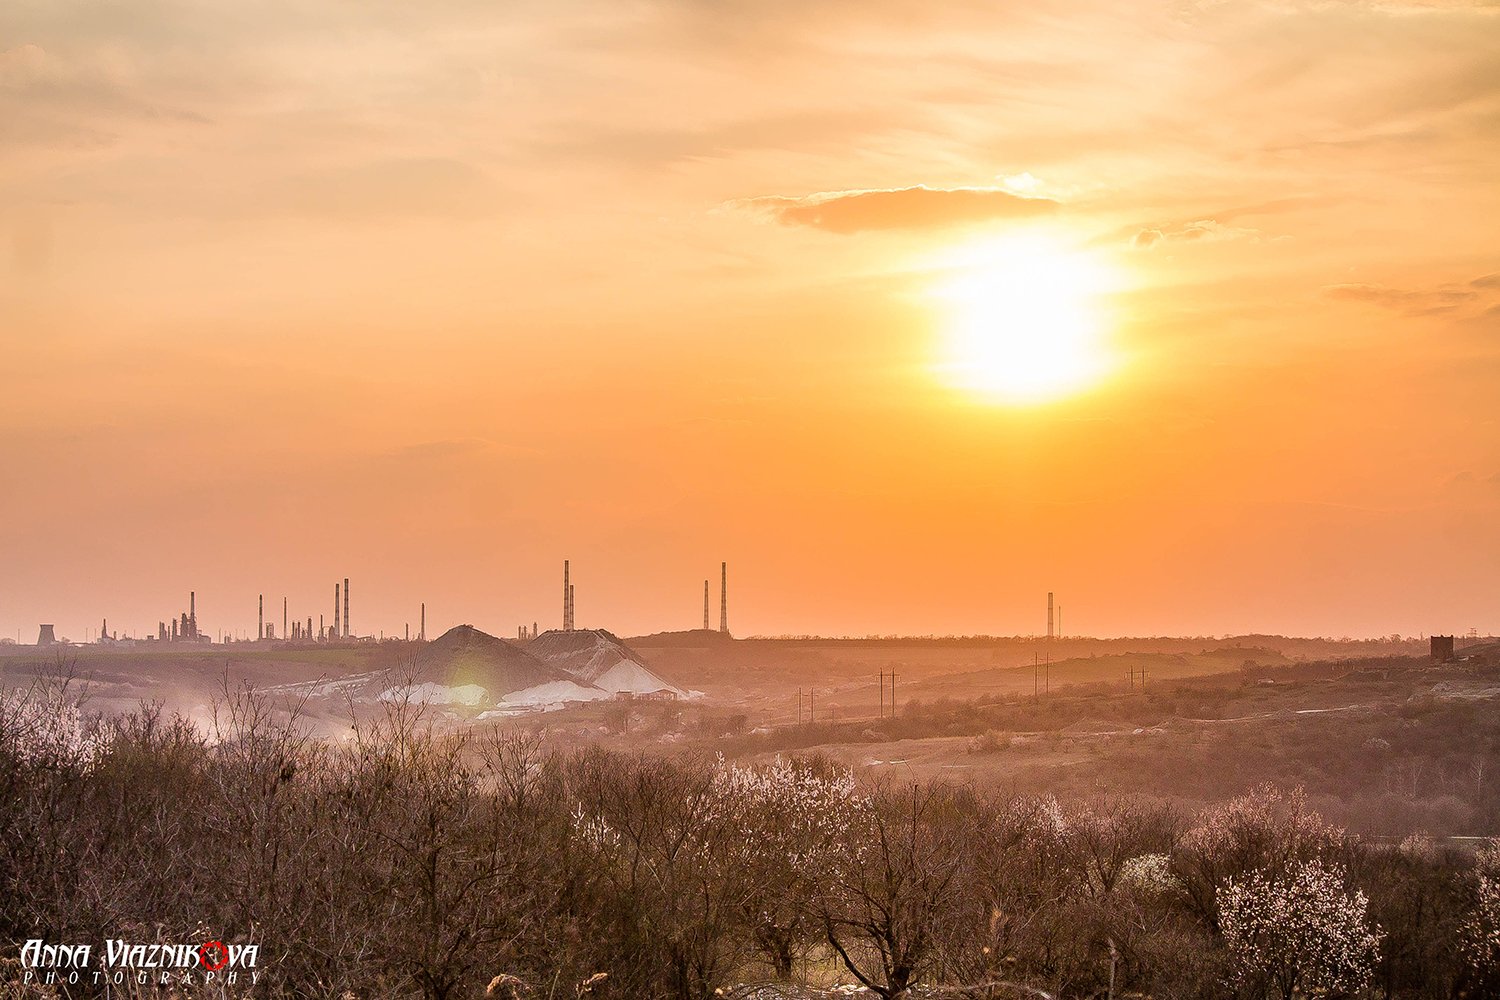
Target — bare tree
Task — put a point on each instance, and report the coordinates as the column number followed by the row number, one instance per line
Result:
column 884, row 909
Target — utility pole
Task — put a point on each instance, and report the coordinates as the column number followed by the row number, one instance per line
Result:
column 882, row 694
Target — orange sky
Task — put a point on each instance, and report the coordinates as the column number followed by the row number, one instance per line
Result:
column 434, row 296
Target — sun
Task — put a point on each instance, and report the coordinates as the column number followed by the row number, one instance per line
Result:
column 1024, row 320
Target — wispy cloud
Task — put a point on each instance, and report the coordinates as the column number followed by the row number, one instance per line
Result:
column 917, row 207
column 1203, row 230
column 1412, row 301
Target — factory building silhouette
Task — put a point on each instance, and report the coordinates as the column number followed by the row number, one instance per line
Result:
column 184, row 627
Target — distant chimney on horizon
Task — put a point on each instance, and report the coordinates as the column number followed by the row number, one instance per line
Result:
column 346, row 608
column 338, row 629
column 705, row 605
column 46, row 636
column 260, row 617
column 567, row 619
column 724, row 597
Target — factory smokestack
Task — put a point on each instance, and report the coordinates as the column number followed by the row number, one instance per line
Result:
column 193, row 608
column 724, row 597
column 285, row 622
column 346, row 607
column 260, row 617
column 422, row 628
column 705, row 605
column 1049, row 615
column 572, row 610
column 567, row 623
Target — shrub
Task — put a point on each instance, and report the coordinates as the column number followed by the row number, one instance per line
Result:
column 1298, row 928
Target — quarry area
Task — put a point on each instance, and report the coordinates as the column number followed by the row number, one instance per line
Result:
column 1386, row 739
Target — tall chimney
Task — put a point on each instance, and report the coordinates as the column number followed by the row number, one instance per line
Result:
column 347, row 632
column 567, row 623
column 422, row 628
column 193, row 608
column 338, row 630
column 285, row 623
column 705, row 605
column 572, row 610
column 1049, row 615
column 260, row 629
column 724, row 597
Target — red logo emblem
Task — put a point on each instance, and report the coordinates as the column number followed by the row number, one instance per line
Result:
column 213, row 955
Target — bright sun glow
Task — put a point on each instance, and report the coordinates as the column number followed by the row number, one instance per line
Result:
column 1025, row 322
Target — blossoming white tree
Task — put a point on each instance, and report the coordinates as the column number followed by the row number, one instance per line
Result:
column 1298, row 928
column 799, row 817
column 1481, row 927
column 1263, row 829
column 45, row 725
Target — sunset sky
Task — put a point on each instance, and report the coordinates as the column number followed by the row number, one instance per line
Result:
column 435, row 295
